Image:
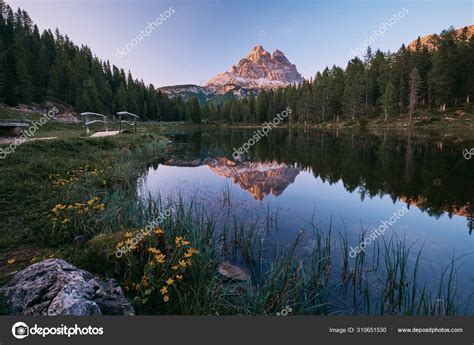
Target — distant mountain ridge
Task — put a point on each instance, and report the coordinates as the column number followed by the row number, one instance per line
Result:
column 203, row 93
column 259, row 70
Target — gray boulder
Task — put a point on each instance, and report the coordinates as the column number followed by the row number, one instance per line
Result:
column 55, row 287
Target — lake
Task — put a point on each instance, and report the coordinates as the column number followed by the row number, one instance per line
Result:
column 407, row 184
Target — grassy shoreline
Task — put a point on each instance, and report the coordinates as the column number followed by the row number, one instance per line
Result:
column 53, row 192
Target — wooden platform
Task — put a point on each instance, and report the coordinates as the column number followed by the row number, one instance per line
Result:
column 104, row 134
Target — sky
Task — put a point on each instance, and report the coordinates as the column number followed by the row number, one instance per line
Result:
column 190, row 41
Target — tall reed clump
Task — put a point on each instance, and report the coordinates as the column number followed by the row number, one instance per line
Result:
column 101, row 196
column 173, row 270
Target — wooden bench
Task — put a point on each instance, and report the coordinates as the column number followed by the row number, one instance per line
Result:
column 130, row 120
column 123, row 118
column 14, row 127
column 89, row 118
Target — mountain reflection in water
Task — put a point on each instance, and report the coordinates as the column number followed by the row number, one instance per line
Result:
column 339, row 180
column 258, row 178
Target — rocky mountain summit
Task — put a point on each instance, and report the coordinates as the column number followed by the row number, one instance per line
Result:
column 259, row 70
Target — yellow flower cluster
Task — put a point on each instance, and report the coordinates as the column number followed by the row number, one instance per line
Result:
column 165, row 267
column 128, row 242
column 179, row 241
column 80, row 208
column 73, row 175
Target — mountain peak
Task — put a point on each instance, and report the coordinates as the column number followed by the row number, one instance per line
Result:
column 258, row 54
column 259, row 70
column 258, row 48
column 279, row 56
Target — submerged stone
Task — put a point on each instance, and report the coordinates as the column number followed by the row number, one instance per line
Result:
column 232, row 272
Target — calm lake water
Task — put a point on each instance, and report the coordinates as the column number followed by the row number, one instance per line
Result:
column 346, row 180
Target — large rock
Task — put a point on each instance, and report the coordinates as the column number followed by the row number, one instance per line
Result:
column 55, row 287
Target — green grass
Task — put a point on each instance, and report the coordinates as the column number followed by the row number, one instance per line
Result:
column 73, row 169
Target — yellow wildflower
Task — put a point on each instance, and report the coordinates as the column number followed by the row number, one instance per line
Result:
column 182, row 263
column 128, row 234
column 179, row 276
column 175, row 267
column 160, row 258
column 99, row 207
column 170, row 281
column 158, row 231
column 166, row 298
column 154, row 250
column 11, row 261
column 185, row 243
column 164, row 290
column 178, row 240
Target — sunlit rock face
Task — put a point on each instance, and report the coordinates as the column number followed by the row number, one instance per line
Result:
column 258, row 178
column 428, row 40
column 258, row 70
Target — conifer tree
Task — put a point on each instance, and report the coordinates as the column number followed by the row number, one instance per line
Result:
column 415, row 83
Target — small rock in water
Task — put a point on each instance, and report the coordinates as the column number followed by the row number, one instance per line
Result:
column 232, row 272
column 55, row 287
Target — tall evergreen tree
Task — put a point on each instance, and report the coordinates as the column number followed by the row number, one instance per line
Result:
column 389, row 101
column 195, row 110
column 415, row 83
